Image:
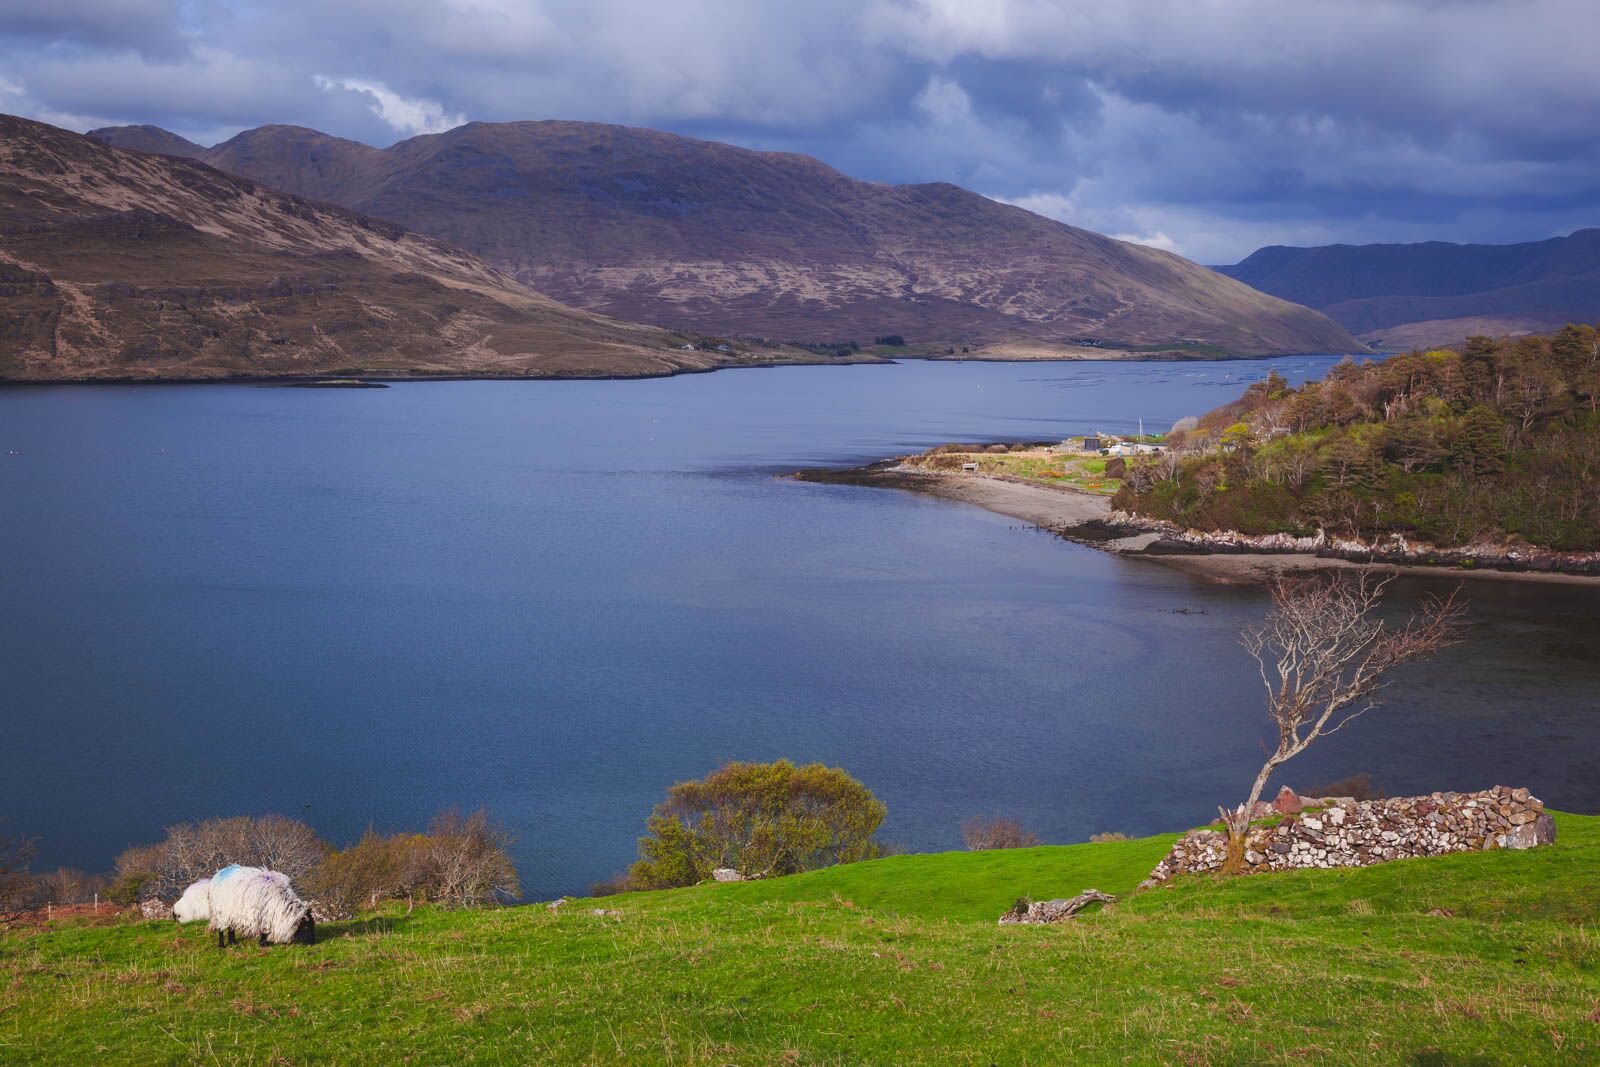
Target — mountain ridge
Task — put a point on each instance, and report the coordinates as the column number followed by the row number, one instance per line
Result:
column 1429, row 292
column 125, row 265
column 689, row 234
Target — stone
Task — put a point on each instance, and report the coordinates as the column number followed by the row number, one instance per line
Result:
column 325, row 913
column 155, row 909
column 1288, row 802
column 1541, row 831
column 727, row 874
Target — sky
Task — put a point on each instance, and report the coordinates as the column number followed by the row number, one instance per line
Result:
column 1208, row 127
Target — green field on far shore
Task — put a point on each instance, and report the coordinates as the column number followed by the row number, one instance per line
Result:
column 1084, row 471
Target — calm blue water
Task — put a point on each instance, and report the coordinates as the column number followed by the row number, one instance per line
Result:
column 556, row 598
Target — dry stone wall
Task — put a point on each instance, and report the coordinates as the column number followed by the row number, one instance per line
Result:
column 1340, row 832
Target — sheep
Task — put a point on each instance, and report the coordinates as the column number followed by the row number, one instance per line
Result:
column 252, row 901
column 195, row 904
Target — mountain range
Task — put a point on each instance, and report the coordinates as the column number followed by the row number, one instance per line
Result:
column 125, row 265
column 1436, row 293
column 696, row 235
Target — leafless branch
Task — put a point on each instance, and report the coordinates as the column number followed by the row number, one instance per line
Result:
column 1324, row 658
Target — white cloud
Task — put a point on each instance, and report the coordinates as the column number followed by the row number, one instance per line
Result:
column 1154, row 240
column 944, row 101
column 407, row 115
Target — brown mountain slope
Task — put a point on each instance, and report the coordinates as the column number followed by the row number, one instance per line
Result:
column 122, row 265
column 695, row 234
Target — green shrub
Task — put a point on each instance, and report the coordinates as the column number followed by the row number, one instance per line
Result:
column 761, row 819
column 128, row 889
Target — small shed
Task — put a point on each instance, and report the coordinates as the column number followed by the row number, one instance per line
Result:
column 1092, row 443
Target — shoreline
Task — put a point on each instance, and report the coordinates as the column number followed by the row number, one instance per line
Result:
column 391, row 378
column 1088, row 519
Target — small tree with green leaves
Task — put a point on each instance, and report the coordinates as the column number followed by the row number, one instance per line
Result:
column 761, row 819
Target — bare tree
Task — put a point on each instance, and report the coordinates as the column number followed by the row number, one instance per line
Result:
column 466, row 862
column 377, row 867
column 16, row 882
column 1324, row 657
column 68, row 885
column 283, row 844
column 982, row 832
column 197, row 850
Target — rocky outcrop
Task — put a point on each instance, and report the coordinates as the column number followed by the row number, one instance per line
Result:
column 1396, row 549
column 1340, row 832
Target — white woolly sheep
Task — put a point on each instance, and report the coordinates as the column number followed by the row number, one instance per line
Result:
column 259, row 903
column 195, row 904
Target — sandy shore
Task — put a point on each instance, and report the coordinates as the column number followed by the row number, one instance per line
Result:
column 1037, row 504
column 1085, row 518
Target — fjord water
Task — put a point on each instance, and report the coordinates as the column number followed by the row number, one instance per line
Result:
column 556, row 598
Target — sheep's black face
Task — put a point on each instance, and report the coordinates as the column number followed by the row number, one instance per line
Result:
column 306, row 932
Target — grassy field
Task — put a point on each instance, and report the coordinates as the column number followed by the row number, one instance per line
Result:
column 1077, row 471
column 1468, row 959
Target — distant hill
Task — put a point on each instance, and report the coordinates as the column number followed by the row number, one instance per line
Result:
column 694, row 234
column 1436, row 293
column 122, row 265
column 147, row 139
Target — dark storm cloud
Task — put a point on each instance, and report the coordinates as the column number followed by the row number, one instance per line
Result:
column 149, row 26
column 1211, row 126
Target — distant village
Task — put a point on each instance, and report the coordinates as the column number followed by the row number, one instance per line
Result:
column 1092, row 461
column 1110, row 445
column 1092, row 444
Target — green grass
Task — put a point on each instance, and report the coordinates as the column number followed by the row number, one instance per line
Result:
column 1049, row 468
column 1466, row 959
